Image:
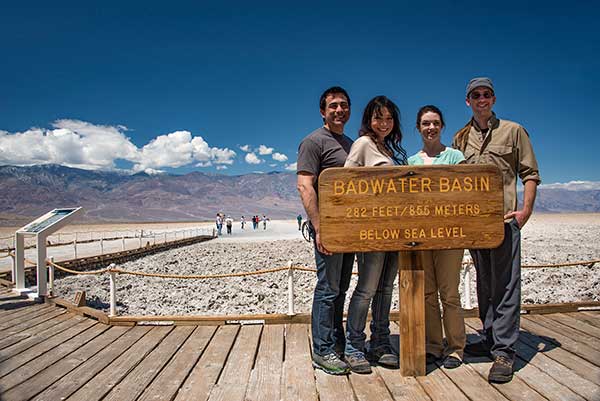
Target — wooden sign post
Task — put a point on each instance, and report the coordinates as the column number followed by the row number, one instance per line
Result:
column 408, row 209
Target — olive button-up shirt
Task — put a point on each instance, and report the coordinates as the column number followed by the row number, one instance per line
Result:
column 506, row 145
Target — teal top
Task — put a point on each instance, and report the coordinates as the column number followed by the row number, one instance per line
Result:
column 447, row 156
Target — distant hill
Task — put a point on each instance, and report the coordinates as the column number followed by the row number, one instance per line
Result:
column 28, row 192
column 110, row 196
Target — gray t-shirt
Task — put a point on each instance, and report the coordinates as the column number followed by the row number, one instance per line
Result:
column 322, row 149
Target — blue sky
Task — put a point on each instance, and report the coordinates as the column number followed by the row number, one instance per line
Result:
column 184, row 86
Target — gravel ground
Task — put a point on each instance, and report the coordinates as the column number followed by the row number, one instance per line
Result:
column 546, row 239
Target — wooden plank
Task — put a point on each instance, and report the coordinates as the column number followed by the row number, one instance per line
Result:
column 14, row 305
column 411, row 208
column 167, row 383
column 22, row 358
column 567, row 343
column 274, row 318
column 53, row 355
column 558, row 372
column 24, row 324
column 265, row 381
column 333, row 387
column 544, row 375
column 139, row 378
column 103, row 382
column 18, row 333
column 579, row 325
column 439, row 387
column 573, row 362
column 26, row 315
column 78, row 377
column 472, row 384
column 206, row 372
column 234, row 380
column 574, row 334
column 401, row 388
column 52, row 374
column 369, row 387
column 586, row 317
column 412, row 314
column 298, row 378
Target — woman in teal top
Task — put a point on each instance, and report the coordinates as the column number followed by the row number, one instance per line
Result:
column 442, row 267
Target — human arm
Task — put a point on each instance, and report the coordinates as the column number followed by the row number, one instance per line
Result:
column 308, row 195
column 529, row 193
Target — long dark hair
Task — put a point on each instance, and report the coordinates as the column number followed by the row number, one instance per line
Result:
column 391, row 145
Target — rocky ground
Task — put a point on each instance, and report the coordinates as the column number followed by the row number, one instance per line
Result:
column 547, row 239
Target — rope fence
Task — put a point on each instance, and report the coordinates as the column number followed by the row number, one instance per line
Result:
column 112, row 270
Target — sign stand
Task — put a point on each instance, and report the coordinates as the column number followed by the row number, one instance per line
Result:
column 409, row 209
column 411, row 279
column 41, row 228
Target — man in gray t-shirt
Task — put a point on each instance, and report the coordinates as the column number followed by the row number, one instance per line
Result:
column 326, row 147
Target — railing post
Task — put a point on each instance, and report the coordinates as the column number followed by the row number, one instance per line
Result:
column 113, row 290
column 14, row 266
column 51, row 277
column 102, row 245
column 123, row 241
column 141, row 235
column 165, row 237
column 291, row 311
column 467, row 284
column 75, row 246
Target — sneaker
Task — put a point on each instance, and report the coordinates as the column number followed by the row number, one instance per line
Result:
column 383, row 355
column 452, row 362
column 358, row 363
column 331, row 364
column 480, row 348
column 501, row 371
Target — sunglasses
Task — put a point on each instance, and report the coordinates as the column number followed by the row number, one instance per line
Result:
column 477, row 95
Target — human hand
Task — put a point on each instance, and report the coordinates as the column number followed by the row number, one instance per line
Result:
column 320, row 246
column 520, row 215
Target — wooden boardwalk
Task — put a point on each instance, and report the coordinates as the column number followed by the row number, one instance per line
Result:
column 47, row 353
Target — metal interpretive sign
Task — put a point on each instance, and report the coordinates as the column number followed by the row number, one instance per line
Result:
column 411, row 208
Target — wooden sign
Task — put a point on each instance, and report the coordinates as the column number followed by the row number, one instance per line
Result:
column 400, row 208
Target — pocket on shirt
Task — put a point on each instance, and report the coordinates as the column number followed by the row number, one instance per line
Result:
column 503, row 156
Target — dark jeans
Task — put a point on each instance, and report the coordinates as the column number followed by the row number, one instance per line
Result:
column 333, row 278
column 376, row 274
column 499, row 291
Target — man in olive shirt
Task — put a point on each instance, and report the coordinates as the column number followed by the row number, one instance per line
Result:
column 323, row 148
column 488, row 140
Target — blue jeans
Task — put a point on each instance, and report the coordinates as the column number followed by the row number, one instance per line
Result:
column 376, row 274
column 333, row 279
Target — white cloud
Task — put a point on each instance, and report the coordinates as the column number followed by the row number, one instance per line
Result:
column 291, row 167
column 84, row 145
column 280, row 157
column 245, row 148
column 573, row 185
column 251, row 158
column 264, row 150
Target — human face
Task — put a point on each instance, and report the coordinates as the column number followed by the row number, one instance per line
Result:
column 382, row 123
column 430, row 128
column 336, row 113
column 481, row 100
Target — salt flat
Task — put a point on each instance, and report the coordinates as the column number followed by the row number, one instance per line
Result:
column 547, row 238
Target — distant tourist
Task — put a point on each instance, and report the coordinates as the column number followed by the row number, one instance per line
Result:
column 378, row 144
column 243, row 221
column 442, row 267
column 264, row 220
column 323, row 148
column 254, row 222
column 219, row 223
column 299, row 218
column 229, row 224
column 484, row 140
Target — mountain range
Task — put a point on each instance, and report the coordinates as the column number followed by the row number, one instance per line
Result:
column 28, row 192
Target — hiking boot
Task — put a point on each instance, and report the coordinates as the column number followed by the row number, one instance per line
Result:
column 358, row 363
column 330, row 363
column 383, row 355
column 501, row 371
column 452, row 362
column 480, row 348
